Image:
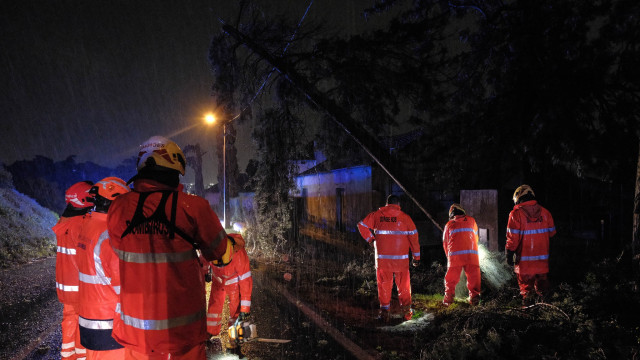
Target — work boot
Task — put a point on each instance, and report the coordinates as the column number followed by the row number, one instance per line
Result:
column 473, row 301
column 408, row 314
column 383, row 316
column 448, row 300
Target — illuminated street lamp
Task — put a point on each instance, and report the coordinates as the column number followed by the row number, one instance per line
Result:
column 210, row 119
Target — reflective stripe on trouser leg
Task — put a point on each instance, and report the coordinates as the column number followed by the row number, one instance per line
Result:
column 214, row 312
column 385, row 284
column 403, row 283
column 70, row 334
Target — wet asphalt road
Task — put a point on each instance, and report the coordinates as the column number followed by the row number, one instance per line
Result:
column 30, row 313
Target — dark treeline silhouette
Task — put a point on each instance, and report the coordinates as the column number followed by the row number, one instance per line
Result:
column 46, row 180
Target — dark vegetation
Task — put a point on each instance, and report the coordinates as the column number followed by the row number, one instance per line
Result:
column 591, row 313
column 25, row 226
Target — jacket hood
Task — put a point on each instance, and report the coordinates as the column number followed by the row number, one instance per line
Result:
column 531, row 209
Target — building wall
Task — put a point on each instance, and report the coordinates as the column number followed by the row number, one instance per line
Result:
column 483, row 206
column 348, row 190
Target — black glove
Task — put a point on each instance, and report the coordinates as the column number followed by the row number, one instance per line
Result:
column 415, row 263
column 208, row 276
column 511, row 257
column 243, row 316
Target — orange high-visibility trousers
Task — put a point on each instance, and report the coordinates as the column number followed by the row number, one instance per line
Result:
column 452, row 278
column 385, row 285
column 71, row 348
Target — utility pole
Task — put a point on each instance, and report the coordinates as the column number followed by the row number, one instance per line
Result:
column 339, row 116
column 196, row 163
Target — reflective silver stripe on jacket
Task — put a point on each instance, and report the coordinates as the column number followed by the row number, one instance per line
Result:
column 245, row 303
column 93, row 279
column 156, row 258
column 396, row 232
column 64, row 250
column 462, row 252
column 238, row 278
column 95, row 324
column 533, row 231
column 534, row 258
column 393, row 257
column 63, row 287
column 165, row 324
column 464, row 230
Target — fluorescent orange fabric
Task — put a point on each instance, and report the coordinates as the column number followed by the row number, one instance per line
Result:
column 162, row 299
column 460, row 241
column 67, row 230
column 460, row 244
column 98, row 268
column 99, row 287
column 234, row 281
column 395, row 236
column 528, row 231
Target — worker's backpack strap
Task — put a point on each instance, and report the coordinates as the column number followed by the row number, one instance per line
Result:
column 159, row 216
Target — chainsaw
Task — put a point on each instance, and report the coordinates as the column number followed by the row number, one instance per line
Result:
column 244, row 331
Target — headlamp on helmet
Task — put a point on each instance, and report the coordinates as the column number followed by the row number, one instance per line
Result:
column 456, row 209
column 521, row 191
column 161, row 152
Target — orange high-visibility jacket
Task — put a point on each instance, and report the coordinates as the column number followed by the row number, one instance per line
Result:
column 67, row 230
column 236, row 274
column 395, row 236
column 528, row 231
column 460, row 241
column 162, row 295
column 98, row 270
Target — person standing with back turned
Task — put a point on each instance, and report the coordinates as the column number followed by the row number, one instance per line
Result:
column 155, row 230
column 79, row 203
column 528, row 231
column 393, row 235
column 460, row 243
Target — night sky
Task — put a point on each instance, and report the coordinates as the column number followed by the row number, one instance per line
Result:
column 95, row 78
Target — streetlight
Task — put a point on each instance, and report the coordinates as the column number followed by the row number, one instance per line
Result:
column 210, row 119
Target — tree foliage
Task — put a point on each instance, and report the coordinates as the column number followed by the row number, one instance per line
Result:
column 505, row 91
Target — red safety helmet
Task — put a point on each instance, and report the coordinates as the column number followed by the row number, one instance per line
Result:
column 110, row 187
column 78, row 195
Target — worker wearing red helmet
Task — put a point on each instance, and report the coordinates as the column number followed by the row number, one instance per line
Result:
column 460, row 243
column 99, row 275
column 234, row 280
column 156, row 231
column 393, row 235
column 528, row 231
column 79, row 203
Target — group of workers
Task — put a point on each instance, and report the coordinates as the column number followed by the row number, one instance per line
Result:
column 132, row 264
column 394, row 237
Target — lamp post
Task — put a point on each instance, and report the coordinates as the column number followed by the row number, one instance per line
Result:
column 210, row 119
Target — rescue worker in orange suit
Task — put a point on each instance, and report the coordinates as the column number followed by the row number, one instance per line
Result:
column 233, row 280
column 98, row 274
column 156, row 231
column 79, row 203
column 528, row 231
column 460, row 243
column 393, row 235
